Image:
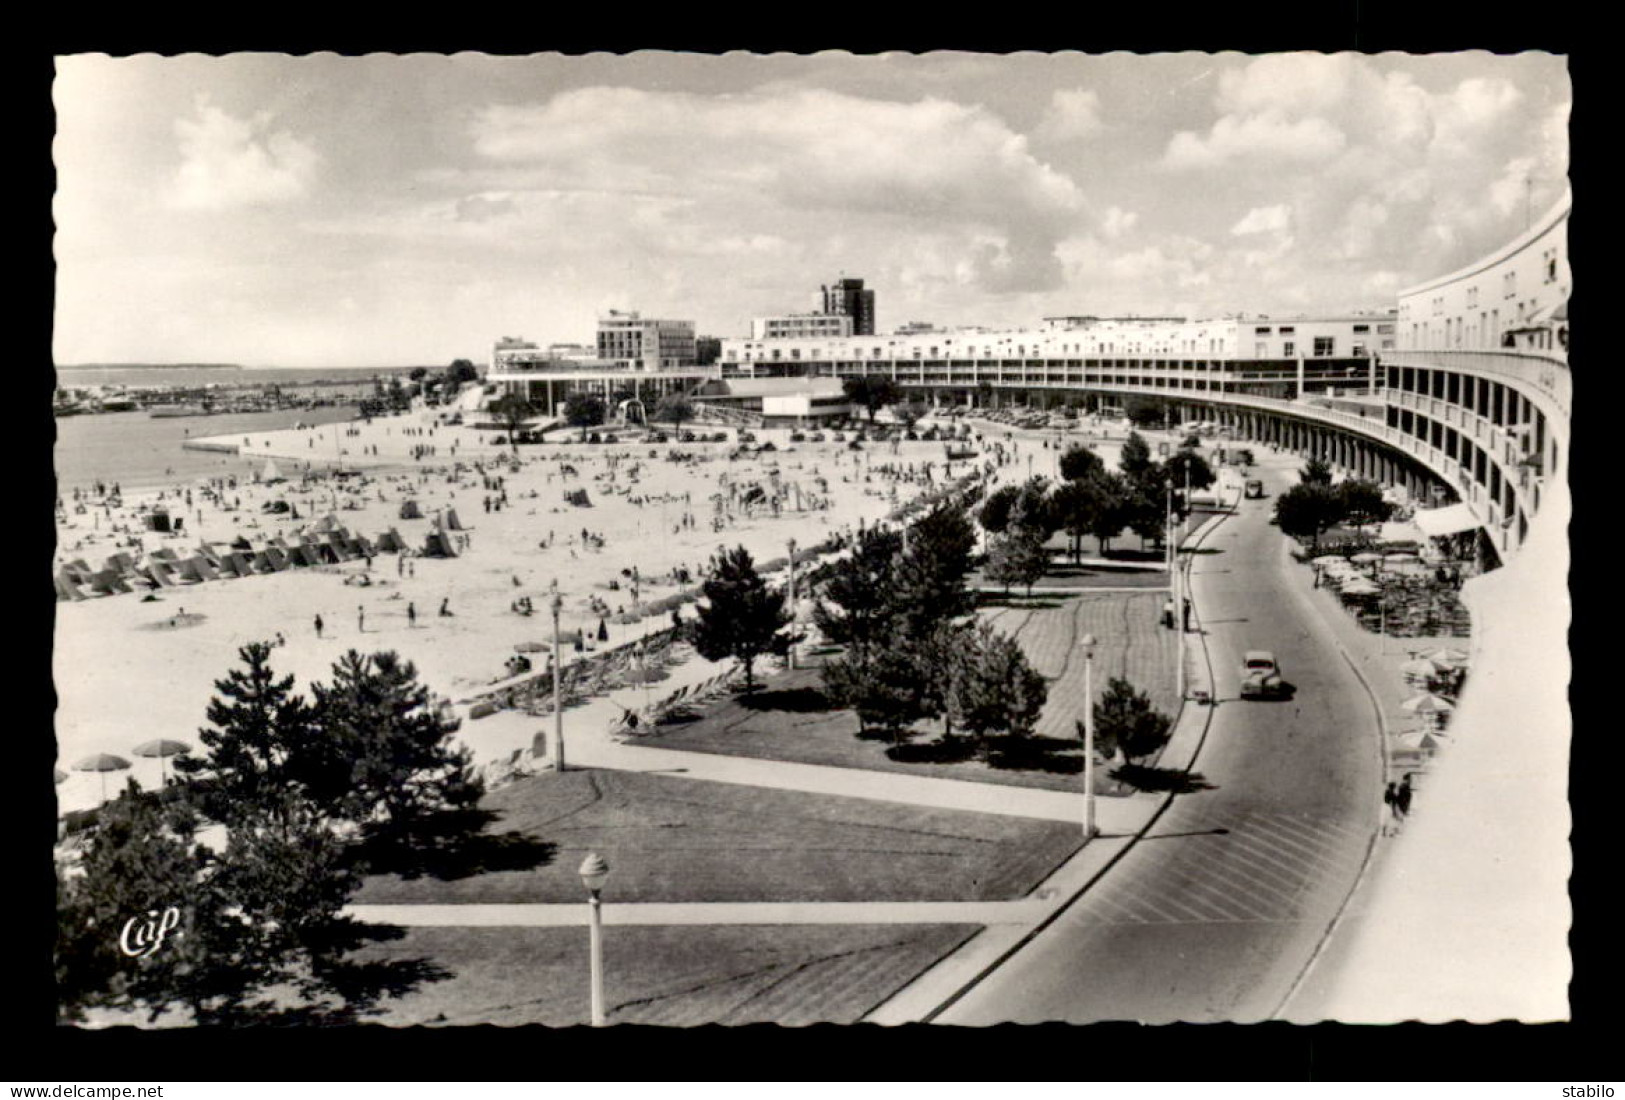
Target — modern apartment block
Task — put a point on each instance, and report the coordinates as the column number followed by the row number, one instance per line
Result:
column 846, row 297
column 801, row 326
column 641, row 343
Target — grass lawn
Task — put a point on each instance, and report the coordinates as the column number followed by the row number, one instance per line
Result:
column 674, row 839
column 792, row 720
column 670, row 976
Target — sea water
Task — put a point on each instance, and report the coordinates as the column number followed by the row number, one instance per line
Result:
column 139, row 451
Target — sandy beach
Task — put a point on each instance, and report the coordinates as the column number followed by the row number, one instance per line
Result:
column 128, row 670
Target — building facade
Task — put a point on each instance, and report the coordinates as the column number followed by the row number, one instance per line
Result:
column 846, row 297
column 631, row 340
column 801, row 326
column 1516, row 297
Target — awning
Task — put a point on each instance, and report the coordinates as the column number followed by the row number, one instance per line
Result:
column 1450, row 520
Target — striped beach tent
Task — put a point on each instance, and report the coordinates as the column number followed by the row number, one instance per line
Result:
column 66, row 589
column 390, row 542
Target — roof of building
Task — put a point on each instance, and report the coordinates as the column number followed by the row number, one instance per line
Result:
column 779, row 387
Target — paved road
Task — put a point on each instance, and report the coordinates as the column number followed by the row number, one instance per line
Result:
column 1218, row 911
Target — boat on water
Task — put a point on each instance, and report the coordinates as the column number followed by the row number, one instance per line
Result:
column 160, row 411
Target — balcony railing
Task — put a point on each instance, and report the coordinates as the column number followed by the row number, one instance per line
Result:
column 1548, row 374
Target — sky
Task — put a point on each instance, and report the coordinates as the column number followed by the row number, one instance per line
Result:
column 383, row 210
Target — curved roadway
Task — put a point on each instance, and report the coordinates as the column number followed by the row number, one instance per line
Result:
column 1218, row 910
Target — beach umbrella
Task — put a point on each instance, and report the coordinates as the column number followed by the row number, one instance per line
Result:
column 162, row 748
column 1448, row 656
column 1416, row 740
column 1419, row 667
column 102, row 762
column 1428, row 703
column 1328, row 559
column 1398, row 558
column 1366, row 558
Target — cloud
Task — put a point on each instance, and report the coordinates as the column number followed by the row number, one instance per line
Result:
column 816, row 160
column 481, row 208
column 1073, row 114
column 230, row 162
column 1264, row 219
column 1117, row 221
column 1270, row 135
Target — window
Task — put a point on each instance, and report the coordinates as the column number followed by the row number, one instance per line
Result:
column 1472, row 297
column 1289, row 348
column 1288, row 330
column 1509, row 285
column 1362, row 329
column 1262, row 330
column 1325, row 345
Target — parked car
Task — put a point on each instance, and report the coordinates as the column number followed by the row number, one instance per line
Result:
column 1260, row 675
column 1255, row 489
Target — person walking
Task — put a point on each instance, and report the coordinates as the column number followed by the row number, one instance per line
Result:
column 360, row 619
column 411, row 615
column 318, row 626
column 1402, row 797
column 1390, row 798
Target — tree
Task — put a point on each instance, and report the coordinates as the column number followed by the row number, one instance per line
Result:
column 460, row 372
column 929, row 578
column 1074, row 506
column 675, row 408
column 1316, row 472
column 882, row 692
column 997, row 691
column 1187, row 467
column 418, row 374
column 855, row 605
column 1362, row 502
column 257, row 721
column 1016, row 558
column 873, row 393
column 379, row 757
column 512, row 410
column 742, row 617
column 994, row 515
column 1119, row 505
column 1308, row 509
column 1125, row 722
column 1144, row 412
column 1079, row 462
column 583, row 410
column 1135, row 459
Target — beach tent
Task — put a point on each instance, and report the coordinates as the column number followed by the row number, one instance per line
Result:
column 390, row 542
column 66, row 589
column 205, row 569
column 277, row 556
column 327, row 523
column 242, row 545
column 160, row 573
column 410, row 510
column 263, row 563
column 452, row 522
column 270, row 474
column 113, row 582
column 324, row 553
column 80, row 566
column 235, row 564
column 342, row 545
column 208, row 553
column 163, row 553
column 185, row 570
column 301, row 556
column 438, row 545
column 121, row 561
column 156, row 521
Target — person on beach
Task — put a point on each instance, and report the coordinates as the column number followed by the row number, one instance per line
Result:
column 1390, row 798
column 361, row 620
column 1402, row 797
column 411, row 615
column 445, row 609
column 318, row 626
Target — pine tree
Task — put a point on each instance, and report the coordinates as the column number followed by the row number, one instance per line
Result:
column 996, row 691
column 1125, row 722
column 856, row 603
column 742, row 616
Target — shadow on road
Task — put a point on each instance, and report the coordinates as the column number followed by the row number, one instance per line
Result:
column 1143, row 778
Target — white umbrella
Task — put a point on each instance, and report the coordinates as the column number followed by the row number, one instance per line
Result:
column 1448, row 656
column 1428, row 703
column 1328, row 559
column 1419, row 666
column 162, row 748
column 1416, row 740
column 103, row 762
column 1397, row 558
column 1366, row 558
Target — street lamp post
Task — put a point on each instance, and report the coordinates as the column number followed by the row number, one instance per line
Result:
column 1088, row 644
column 557, row 605
column 594, row 872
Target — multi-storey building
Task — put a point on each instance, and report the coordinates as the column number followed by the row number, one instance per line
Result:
column 547, row 376
column 801, row 326
column 642, row 343
column 846, row 297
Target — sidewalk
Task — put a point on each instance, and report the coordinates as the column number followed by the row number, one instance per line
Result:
column 1021, row 913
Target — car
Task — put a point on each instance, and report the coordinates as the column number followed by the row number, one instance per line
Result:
column 1255, row 489
column 1261, row 675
